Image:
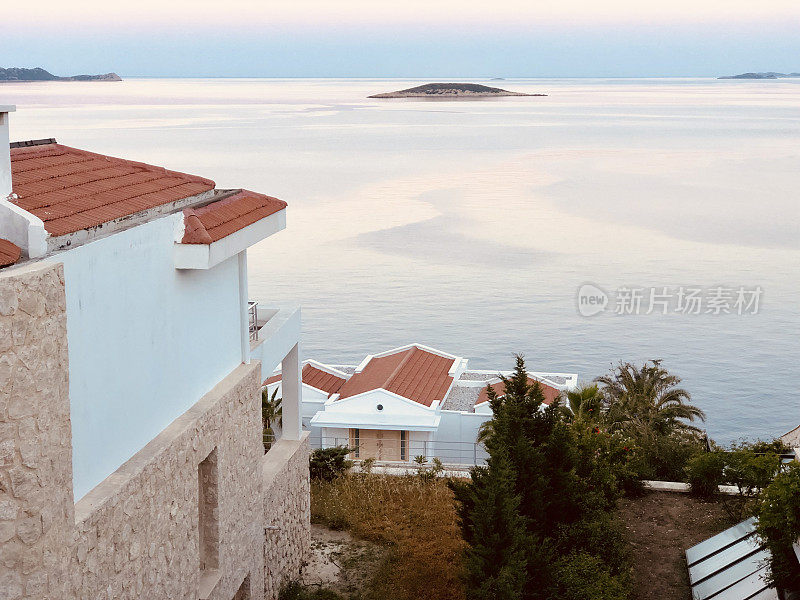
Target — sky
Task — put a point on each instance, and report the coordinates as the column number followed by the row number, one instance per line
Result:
column 412, row 38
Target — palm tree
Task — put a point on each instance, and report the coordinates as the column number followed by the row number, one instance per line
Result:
column 270, row 412
column 584, row 404
column 647, row 401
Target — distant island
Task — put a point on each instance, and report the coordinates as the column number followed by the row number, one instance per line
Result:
column 455, row 90
column 767, row 75
column 39, row 74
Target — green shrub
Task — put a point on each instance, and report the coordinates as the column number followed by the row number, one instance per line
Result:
column 776, row 446
column 751, row 466
column 750, row 473
column 327, row 464
column 429, row 473
column 665, row 457
column 705, row 473
column 778, row 513
column 294, row 591
column 583, row 576
column 601, row 535
column 606, row 465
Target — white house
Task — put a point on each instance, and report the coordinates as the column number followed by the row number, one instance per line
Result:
column 406, row 402
column 131, row 363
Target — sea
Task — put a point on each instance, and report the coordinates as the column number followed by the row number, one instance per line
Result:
column 612, row 220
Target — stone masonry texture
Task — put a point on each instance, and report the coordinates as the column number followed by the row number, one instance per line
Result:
column 135, row 535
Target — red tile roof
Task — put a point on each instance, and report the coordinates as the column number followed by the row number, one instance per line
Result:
column 9, row 253
column 550, row 393
column 316, row 378
column 272, row 379
column 414, row 373
column 222, row 218
column 322, row 380
column 72, row 189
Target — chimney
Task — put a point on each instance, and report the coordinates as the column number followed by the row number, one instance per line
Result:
column 16, row 225
column 5, row 155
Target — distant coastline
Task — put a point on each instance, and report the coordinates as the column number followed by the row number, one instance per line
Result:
column 451, row 90
column 763, row 75
column 18, row 74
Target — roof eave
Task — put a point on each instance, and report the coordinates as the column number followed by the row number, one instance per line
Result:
column 206, row 256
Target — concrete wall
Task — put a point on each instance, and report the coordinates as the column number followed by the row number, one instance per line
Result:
column 455, row 438
column 137, row 533
column 146, row 341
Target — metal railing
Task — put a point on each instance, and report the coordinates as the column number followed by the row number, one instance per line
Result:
column 394, row 450
column 252, row 312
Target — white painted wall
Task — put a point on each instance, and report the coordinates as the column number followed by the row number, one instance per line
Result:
column 5, row 153
column 456, row 436
column 453, row 441
column 146, row 341
column 367, row 404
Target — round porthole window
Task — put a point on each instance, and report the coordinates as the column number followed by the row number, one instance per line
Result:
column 380, row 407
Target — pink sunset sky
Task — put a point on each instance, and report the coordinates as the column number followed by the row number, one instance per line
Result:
column 411, row 38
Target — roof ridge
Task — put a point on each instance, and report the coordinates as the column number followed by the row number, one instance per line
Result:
column 389, row 380
column 194, row 231
column 29, row 143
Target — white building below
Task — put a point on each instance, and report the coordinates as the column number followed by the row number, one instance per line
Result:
column 406, row 402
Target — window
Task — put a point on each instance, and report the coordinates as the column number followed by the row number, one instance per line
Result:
column 208, row 511
column 403, row 445
column 355, row 441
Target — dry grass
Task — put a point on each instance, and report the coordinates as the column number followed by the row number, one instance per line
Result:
column 416, row 519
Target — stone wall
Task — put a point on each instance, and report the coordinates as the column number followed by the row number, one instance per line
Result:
column 287, row 512
column 36, row 506
column 792, row 438
column 137, row 534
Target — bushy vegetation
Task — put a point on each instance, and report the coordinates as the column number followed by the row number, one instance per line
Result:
column 412, row 516
column 326, row 464
column 295, row 591
column 538, row 520
column 749, row 466
column 648, row 408
column 778, row 513
column 704, row 472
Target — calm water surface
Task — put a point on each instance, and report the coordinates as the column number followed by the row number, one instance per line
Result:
column 470, row 225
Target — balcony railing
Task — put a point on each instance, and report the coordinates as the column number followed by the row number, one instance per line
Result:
column 406, row 451
column 252, row 312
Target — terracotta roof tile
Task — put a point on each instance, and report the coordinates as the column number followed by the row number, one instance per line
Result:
column 414, row 373
column 322, row 380
column 9, row 253
column 220, row 219
column 316, row 378
column 550, row 393
column 71, row 189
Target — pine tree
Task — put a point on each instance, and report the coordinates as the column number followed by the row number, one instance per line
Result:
column 535, row 445
column 495, row 532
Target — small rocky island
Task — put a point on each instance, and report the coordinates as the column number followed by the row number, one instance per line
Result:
column 39, row 74
column 767, row 75
column 451, row 90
